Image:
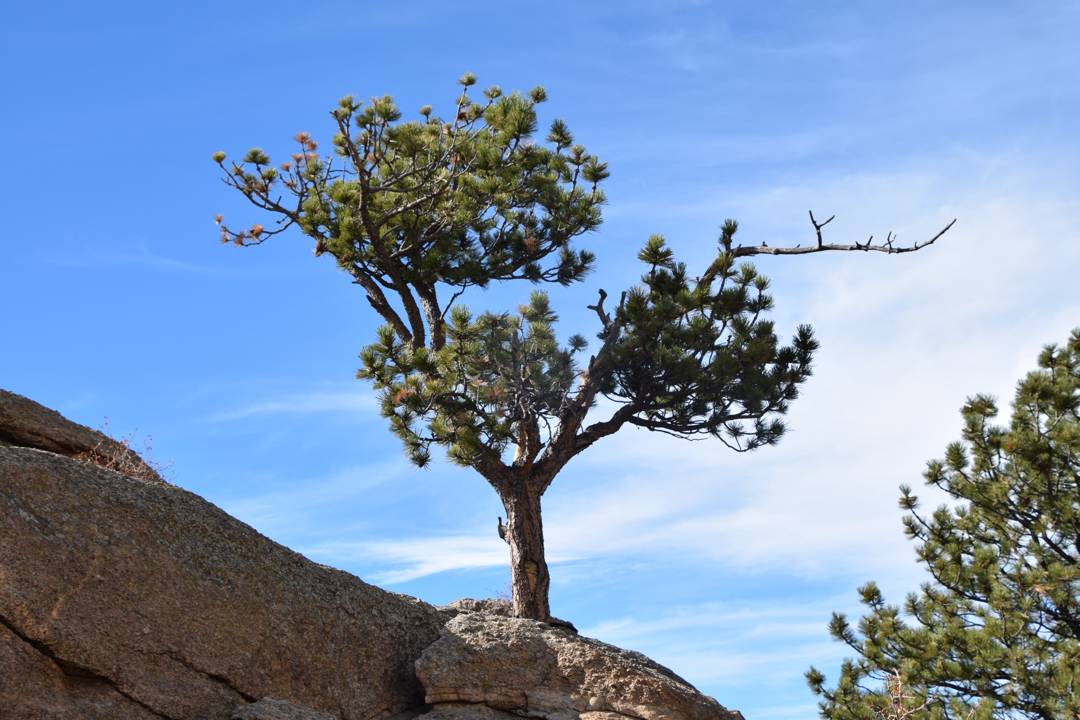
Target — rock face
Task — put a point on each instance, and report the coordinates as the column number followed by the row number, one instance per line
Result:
column 125, row 598
column 544, row 671
column 457, row 711
column 267, row 709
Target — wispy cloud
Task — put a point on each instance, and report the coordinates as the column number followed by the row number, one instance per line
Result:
column 302, row 404
column 422, row 556
column 279, row 511
column 775, row 618
column 730, row 647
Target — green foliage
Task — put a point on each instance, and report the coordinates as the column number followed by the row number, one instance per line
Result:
column 696, row 356
column 404, row 206
column 494, row 372
column 996, row 633
column 682, row 357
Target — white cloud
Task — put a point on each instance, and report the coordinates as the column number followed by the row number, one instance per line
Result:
column 730, row 648
column 772, row 619
column 421, row 556
column 278, row 510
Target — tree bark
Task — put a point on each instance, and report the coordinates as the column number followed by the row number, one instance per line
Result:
column 528, row 568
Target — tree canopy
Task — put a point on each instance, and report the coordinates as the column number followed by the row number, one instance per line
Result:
column 996, row 631
column 404, row 207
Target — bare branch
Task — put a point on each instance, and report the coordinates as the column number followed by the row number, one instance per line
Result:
column 818, row 227
column 886, row 247
column 599, row 308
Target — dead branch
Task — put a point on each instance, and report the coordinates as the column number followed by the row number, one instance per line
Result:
column 886, row 247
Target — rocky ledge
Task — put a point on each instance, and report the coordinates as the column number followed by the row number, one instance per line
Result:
column 541, row 670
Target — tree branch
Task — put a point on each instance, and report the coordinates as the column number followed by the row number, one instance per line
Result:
column 599, row 308
column 886, row 247
column 378, row 301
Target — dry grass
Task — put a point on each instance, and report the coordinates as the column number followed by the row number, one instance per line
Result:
column 128, row 460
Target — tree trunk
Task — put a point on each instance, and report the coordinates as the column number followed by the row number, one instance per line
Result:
column 528, row 568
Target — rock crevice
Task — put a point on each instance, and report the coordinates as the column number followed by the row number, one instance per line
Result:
column 223, row 680
column 77, row 674
column 67, row 667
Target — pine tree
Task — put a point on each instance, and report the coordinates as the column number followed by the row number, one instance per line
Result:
column 409, row 209
column 996, row 632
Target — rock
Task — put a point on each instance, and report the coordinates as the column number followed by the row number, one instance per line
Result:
column 459, row 711
column 488, row 606
column 493, row 606
column 34, row 687
column 126, row 598
column 540, row 670
column 267, row 709
column 25, row 423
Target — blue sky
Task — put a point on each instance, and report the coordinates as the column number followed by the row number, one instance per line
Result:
column 894, row 116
